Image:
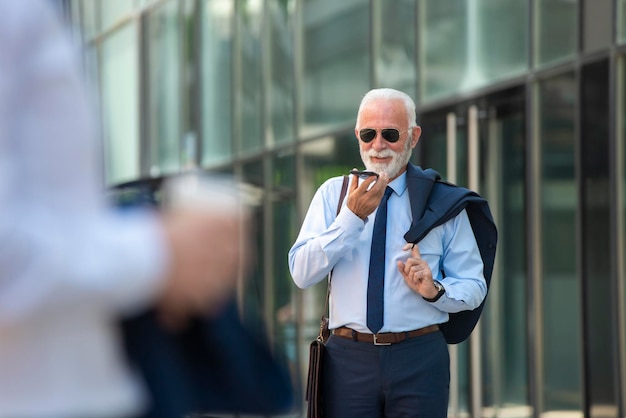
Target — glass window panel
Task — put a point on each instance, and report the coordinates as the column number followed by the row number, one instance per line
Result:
column 600, row 324
column 284, row 221
column 432, row 144
column 217, row 38
column 598, row 23
column 249, row 116
column 87, row 14
column 281, row 71
column 621, row 138
column 336, row 60
column 461, row 160
column 557, row 35
column 112, row 11
column 501, row 31
column 442, row 49
column 621, row 20
column 561, row 286
column 503, row 323
column 120, row 104
column 164, row 89
column 465, row 45
column 396, row 64
column 255, row 287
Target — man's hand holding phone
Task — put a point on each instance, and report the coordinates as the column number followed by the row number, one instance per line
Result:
column 365, row 197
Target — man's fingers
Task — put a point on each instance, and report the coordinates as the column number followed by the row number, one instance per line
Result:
column 368, row 181
column 415, row 251
column 401, row 269
column 381, row 183
column 363, row 185
column 354, row 183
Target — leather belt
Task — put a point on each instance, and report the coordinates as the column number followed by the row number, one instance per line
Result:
column 385, row 338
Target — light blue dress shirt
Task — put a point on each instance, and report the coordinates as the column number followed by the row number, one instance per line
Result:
column 342, row 244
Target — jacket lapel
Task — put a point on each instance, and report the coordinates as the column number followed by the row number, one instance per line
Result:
column 419, row 184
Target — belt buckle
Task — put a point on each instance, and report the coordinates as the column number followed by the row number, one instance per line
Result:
column 376, row 341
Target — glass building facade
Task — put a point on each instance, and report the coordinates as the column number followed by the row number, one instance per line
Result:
column 523, row 101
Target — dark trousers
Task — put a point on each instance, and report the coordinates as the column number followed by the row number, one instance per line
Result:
column 408, row 379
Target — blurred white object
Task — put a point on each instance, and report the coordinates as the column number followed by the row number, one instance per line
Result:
column 199, row 190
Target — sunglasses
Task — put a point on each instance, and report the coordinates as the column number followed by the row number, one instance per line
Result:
column 389, row 134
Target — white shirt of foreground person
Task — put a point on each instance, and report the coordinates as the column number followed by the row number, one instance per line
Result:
column 59, row 353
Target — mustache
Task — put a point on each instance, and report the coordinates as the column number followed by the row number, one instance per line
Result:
column 382, row 154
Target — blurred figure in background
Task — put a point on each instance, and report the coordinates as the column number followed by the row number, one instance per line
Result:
column 69, row 264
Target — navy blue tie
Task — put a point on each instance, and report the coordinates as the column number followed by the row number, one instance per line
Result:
column 376, row 280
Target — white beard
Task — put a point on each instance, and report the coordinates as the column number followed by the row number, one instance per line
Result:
column 399, row 161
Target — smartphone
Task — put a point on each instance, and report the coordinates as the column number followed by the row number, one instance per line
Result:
column 363, row 174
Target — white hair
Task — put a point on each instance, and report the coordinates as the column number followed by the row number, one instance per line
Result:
column 390, row 94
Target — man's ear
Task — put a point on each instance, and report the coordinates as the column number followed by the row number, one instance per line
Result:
column 416, row 133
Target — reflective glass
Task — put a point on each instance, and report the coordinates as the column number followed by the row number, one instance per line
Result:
column 597, row 225
column 87, row 14
column 249, row 120
column 216, row 63
column 503, row 323
column 164, row 89
column 621, row 20
column 281, row 87
column 336, row 61
column 621, row 138
column 396, row 63
column 119, row 70
column 597, row 25
column 465, row 45
column 114, row 10
column 432, row 144
column 255, row 284
column 561, row 286
column 284, row 292
column 556, row 33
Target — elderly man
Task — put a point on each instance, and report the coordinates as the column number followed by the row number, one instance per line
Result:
column 387, row 356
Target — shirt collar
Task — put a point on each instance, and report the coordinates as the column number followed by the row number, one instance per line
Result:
column 399, row 185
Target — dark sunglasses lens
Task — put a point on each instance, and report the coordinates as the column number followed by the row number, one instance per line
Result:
column 391, row 135
column 367, row 135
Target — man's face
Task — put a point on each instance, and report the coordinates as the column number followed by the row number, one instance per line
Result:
column 379, row 154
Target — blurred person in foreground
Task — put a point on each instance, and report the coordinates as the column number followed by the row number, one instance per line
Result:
column 69, row 264
column 386, row 355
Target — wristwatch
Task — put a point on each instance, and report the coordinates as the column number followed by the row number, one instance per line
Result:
column 440, row 291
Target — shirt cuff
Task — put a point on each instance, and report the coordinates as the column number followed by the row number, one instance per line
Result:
column 349, row 221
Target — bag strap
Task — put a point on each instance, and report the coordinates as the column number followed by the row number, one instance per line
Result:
column 342, row 195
